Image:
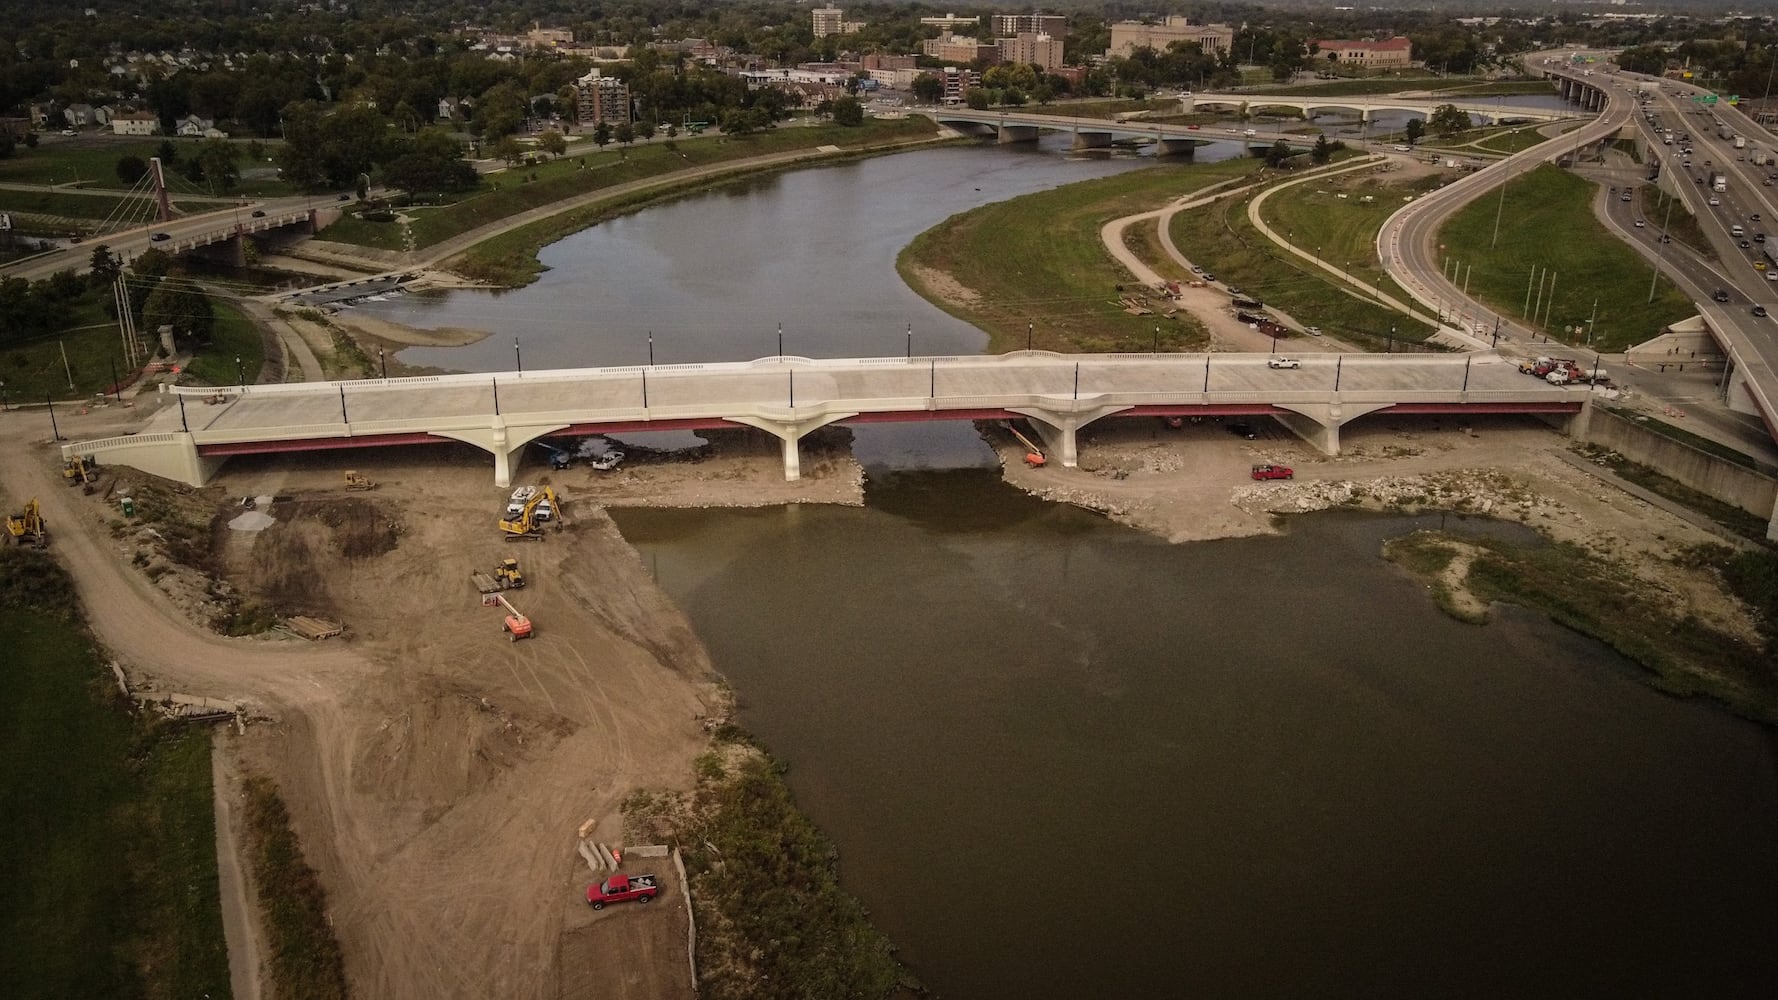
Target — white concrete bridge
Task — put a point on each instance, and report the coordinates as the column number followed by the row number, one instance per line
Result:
column 1368, row 107
column 789, row 397
column 1091, row 133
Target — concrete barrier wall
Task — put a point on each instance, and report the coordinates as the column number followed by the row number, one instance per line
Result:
column 1751, row 491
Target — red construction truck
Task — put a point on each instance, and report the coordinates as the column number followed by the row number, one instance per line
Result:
column 619, row 888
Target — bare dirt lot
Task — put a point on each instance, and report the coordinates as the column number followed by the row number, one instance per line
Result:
column 435, row 771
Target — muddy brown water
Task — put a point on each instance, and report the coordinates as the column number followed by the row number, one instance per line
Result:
column 1063, row 759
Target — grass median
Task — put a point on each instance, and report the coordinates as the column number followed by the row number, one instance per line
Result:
column 1549, row 236
column 110, row 835
column 1220, row 238
column 1038, row 261
column 1658, row 208
column 1339, row 218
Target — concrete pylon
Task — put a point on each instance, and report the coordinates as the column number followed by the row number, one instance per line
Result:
column 1060, row 426
column 1319, row 423
column 790, row 429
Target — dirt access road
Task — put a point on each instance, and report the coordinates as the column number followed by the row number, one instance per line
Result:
column 435, row 772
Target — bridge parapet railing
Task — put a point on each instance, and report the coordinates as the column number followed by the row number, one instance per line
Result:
column 121, row 441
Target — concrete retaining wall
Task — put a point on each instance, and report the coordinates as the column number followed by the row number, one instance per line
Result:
column 1751, row 491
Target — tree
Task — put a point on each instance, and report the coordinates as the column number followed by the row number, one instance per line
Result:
column 1323, row 150
column 602, row 134
column 433, row 164
column 625, row 133
column 928, row 88
column 553, row 143
column 182, row 306
column 508, row 149
column 168, row 153
column 105, row 266
column 220, row 161
column 1416, row 129
column 131, row 169
column 847, row 111
column 1279, row 153
column 1448, row 119
column 977, row 99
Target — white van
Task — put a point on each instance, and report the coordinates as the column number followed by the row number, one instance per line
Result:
column 1736, row 231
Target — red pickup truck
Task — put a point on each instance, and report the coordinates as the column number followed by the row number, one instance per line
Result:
column 1272, row 472
column 619, row 888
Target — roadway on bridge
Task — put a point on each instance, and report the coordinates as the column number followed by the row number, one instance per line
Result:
column 891, row 384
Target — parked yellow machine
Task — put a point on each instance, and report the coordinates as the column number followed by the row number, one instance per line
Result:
column 541, row 507
column 27, row 527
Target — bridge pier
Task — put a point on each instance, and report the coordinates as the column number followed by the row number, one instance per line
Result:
column 1009, row 134
column 1090, row 140
column 1059, row 427
column 1319, row 423
column 1176, row 147
column 789, row 431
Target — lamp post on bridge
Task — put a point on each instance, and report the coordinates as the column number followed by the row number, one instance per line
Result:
column 650, row 350
column 517, row 358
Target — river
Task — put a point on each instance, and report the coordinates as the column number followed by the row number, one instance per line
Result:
column 1063, row 759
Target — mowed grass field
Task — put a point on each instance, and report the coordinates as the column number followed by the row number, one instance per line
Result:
column 1039, row 260
column 1220, row 238
column 1335, row 217
column 109, row 837
column 1548, row 224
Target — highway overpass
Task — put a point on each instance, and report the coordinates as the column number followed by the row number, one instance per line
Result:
column 789, row 397
column 1090, row 133
column 1369, row 107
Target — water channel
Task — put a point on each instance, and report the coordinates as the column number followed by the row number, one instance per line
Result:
column 1063, row 759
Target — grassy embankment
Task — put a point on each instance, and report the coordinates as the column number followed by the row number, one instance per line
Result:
column 1222, row 240
column 109, row 836
column 772, row 919
column 92, row 163
column 1548, row 223
column 509, row 193
column 34, row 369
column 1343, row 230
column 1511, row 140
column 1038, row 259
column 303, row 957
column 1596, row 595
column 1654, row 205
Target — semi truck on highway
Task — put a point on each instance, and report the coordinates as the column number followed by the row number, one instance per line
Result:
column 1719, row 182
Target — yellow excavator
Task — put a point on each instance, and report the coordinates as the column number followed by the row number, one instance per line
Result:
column 529, row 522
column 80, row 470
column 27, row 527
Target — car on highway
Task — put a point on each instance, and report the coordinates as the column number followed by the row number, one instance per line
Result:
column 1720, row 295
column 1714, row 202
column 1665, row 238
column 1641, row 225
column 1283, row 363
column 158, row 237
column 1759, row 310
column 1753, row 218
column 1624, row 197
column 259, row 213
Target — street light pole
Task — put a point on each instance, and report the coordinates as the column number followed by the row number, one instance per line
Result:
column 383, row 363
column 53, row 429
column 651, row 348
column 240, row 374
column 517, row 358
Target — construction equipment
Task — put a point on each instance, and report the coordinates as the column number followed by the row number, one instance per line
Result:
column 516, row 626
column 27, row 527
column 558, row 459
column 356, row 480
column 80, row 470
column 507, row 575
column 529, row 522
